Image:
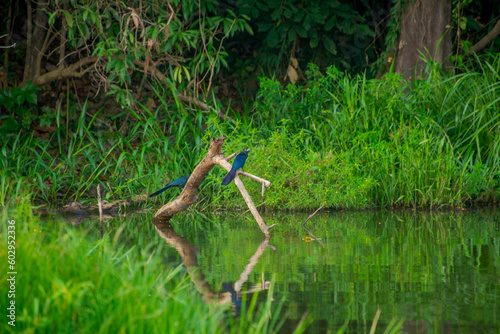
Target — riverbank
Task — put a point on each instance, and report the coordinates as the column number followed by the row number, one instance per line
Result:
column 348, row 142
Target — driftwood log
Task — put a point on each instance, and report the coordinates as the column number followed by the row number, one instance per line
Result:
column 189, row 194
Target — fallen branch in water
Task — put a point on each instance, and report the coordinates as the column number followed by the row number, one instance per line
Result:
column 189, row 194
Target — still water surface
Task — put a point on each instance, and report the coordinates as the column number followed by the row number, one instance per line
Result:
column 434, row 272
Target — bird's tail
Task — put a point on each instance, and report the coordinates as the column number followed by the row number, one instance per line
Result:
column 160, row 191
column 229, row 177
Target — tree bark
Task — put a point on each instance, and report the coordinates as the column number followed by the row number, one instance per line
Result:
column 424, row 33
column 36, row 40
column 75, row 70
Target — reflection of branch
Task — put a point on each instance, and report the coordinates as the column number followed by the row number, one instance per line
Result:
column 189, row 253
column 253, row 261
column 189, row 194
column 309, row 231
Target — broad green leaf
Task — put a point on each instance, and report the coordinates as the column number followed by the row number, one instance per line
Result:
column 330, row 45
column 69, row 18
column 273, row 37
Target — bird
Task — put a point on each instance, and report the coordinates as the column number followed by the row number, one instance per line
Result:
column 238, row 163
column 179, row 183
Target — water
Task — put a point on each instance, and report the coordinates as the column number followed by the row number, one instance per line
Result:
column 434, row 273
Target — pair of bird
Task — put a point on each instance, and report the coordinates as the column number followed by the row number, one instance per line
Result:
column 238, row 163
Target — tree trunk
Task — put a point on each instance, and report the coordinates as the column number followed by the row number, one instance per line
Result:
column 424, row 33
column 36, row 40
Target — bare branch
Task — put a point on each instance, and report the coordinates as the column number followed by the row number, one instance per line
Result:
column 264, row 182
column 263, row 227
column 486, row 40
column 7, row 46
column 189, row 194
column 312, row 215
column 203, row 106
column 73, row 70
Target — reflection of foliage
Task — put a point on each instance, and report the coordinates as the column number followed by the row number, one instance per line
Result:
column 372, row 259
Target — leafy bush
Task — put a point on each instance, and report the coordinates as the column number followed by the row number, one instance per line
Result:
column 329, row 31
column 18, row 104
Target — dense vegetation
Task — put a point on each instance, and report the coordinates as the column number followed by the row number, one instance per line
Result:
column 345, row 140
column 131, row 121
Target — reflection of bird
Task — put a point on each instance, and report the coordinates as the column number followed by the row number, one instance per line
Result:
column 235, row 299
column 238, row 163
column 180, row 183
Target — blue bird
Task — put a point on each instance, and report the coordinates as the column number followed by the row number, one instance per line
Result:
column 238, row 163
column 179, row 183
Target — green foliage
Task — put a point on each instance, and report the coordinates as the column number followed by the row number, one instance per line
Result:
column 416, row 142
column 301, row 179
column 19, row 104
column 183, row 38
column 69, row 165
column 341, row 140
column 330, row 31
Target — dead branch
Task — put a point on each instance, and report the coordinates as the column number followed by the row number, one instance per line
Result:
column 312, row 215
column 221, row 161
column 62, row 72
column 486, row 40
column 189, row 194
column 77, row 70
column 203, row 106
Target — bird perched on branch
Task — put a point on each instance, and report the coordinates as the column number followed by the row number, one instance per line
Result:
column 238, row 163
column 179, row 183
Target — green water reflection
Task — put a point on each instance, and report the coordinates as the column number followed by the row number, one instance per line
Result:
column 438, row 272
